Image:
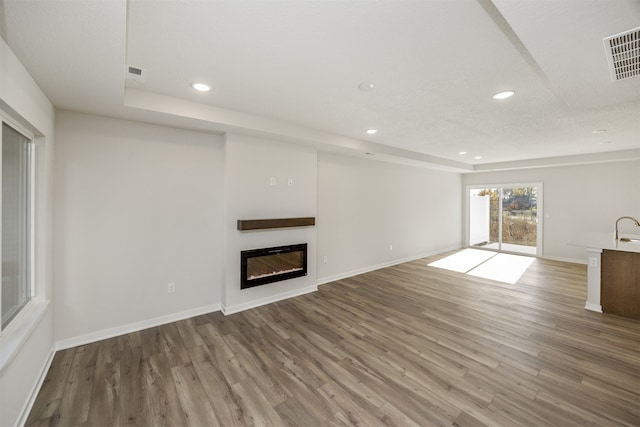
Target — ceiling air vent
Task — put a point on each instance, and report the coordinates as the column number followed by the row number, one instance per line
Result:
column 135, row 73
column 623, row 54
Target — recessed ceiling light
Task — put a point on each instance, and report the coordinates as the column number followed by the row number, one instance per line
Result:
column 600, row 131
column 365, row 87
column 462, row 153
column 201, row 87
column 369, row 154
column 504, row 95
column 604, row 142
column 477, row 157
column 371, row 131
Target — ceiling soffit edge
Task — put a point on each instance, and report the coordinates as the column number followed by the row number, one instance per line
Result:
column 219, row 119
column 580, row 159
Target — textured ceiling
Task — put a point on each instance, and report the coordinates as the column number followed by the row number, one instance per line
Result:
column 291, row 69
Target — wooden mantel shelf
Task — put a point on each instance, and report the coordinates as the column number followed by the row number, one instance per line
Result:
column 262, row 224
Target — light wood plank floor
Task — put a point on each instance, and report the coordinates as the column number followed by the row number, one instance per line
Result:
column 409, row 345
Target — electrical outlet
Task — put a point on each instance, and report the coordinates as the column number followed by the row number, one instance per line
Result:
column 325, row 259
column 593, row 262
column 272, row 180
column 171, row 288
column 390, row 248
column 290, row 182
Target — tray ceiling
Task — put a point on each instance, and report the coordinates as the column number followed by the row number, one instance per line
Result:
column 291, row 69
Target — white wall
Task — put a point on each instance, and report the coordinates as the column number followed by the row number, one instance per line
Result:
column 21, row 98
column 364, row 206
column 250, row 163
column 577, row 199
column 137, row 206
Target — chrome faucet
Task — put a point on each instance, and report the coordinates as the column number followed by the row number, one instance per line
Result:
column 625, row 217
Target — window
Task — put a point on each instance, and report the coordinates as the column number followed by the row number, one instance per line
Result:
column 16, row 224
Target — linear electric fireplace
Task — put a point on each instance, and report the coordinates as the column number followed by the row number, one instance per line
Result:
column 268, row 265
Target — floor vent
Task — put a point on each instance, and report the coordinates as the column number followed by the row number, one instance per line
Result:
column 623, row 54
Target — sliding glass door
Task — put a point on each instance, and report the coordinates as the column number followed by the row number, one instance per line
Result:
column 505, row 218
column 484, row 215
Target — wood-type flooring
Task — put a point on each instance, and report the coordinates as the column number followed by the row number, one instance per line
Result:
column 408, row 345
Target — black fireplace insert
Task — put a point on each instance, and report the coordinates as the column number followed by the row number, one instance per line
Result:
column 268, row 265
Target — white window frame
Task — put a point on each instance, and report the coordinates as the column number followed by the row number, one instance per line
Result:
column 16, row 333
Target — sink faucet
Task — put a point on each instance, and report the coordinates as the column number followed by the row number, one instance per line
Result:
column 625, row 217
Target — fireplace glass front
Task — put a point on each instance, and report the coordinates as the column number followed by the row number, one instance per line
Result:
column 268, row 265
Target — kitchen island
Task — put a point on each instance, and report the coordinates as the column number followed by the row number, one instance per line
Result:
column 613, row 274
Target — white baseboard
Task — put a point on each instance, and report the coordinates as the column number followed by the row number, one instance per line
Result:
column 26, row 410
column 134, row 327
column 352, row 273
column 268, row 300
column 593, row 307
column 561, row 259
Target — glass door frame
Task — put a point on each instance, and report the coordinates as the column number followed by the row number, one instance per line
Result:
column 499, row 188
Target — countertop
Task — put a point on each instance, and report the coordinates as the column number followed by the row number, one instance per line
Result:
column 603, row 240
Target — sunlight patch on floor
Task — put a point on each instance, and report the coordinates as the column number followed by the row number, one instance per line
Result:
column 464, row 260
column 505, row 268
